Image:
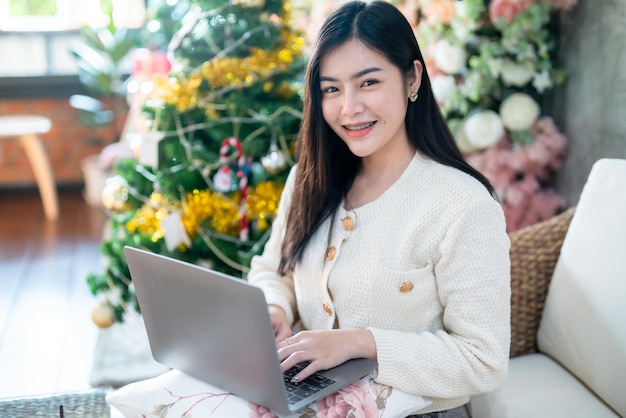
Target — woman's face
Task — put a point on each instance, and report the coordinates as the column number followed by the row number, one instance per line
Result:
column 365, row 98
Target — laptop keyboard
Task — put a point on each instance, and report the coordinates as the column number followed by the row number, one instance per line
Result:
column 297, row 391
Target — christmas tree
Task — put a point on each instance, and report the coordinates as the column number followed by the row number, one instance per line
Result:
column 218, row 144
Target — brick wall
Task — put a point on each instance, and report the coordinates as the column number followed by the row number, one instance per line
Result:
column 67, row 143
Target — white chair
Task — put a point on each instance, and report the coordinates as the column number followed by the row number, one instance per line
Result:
column 27, row 130
column 568, row 304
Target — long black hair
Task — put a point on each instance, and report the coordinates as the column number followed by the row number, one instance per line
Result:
column 326, row 166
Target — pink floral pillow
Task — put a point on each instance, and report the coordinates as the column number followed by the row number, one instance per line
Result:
column 175, row 394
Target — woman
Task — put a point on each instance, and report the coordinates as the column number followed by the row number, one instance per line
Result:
column 387, row 245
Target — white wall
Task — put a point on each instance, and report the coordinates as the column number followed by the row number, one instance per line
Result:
column 591, row 106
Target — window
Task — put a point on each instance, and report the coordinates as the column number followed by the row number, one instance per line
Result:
column 61, row 15
column 35, row 34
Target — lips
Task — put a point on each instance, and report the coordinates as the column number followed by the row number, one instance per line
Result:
column 359, row 130
column 359, row 126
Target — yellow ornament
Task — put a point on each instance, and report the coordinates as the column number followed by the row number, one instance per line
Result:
column 147, row 219
column 103, row 315
column 115, row 195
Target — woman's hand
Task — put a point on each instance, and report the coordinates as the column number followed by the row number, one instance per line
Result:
column 282, row 329
column 325, row 349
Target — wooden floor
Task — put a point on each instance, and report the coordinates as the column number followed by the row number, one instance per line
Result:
column 46, row 334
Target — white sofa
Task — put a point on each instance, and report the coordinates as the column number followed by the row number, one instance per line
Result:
column 569, row 358
column 568, row 322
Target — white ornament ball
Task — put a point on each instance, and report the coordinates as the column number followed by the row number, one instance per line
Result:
column 274, row 161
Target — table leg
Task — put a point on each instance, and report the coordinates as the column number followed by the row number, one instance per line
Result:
column 43, row 174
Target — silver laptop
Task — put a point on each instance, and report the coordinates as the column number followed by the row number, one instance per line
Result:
column 217, row 329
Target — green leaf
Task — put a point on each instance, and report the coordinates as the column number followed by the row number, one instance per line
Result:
column 522, row 137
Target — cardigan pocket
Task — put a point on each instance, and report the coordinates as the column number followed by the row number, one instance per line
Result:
column 403, row 296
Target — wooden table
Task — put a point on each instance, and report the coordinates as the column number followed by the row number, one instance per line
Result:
column 27, row 129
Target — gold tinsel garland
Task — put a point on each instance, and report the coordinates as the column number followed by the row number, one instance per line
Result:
column 228, row 73
column 204, row 207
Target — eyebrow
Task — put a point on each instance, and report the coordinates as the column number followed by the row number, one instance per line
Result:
column 355, row 75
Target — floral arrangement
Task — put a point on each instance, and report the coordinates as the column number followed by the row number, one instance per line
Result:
column 490, row 63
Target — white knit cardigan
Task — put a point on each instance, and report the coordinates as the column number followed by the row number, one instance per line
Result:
column 425, row 268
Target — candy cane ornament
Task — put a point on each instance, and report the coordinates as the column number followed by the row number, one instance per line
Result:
column 223, row 179
column 243, row 173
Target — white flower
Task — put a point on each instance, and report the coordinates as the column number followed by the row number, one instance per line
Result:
column 519, row 112
column 460, row 10
column 463, row 26
column 449, row 58
column 472, row 86
column 483, row 129
column 461, row 139
column 517, row 74
column 460, row 30
column 443, row 86
column 542, row 81
column 495, row 67
column 528, row 53
column 510, row 44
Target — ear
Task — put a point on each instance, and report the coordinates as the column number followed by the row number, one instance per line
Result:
column 416, row 79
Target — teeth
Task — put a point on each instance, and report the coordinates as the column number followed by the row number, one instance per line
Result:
column 357, row 127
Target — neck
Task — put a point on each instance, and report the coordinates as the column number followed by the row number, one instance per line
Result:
column 376, row 176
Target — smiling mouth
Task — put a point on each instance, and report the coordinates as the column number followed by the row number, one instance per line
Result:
column 358, row 127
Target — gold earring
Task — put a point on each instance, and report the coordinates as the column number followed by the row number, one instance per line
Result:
column 413, row 96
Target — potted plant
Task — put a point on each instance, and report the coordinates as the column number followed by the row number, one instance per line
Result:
column 102, row 56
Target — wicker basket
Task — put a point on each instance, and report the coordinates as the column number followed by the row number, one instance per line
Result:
column 534, row 253
column 85, row 404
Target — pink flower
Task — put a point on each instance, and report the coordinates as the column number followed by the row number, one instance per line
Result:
column 516, row 172
column 354, row 400
column 546, row 203
column 514, row 196
column 518, row 160
column 513, row 215
column 441, row 11
column 507, row 9
column 539, row 155
column 258, row 411
column 410, row 10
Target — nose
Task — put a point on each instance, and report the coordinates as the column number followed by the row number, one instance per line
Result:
column 352, row 103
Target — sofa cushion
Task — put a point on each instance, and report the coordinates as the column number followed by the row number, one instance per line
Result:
column 539, row 387
column 583, row 324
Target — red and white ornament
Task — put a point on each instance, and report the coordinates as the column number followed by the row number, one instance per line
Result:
column 223, row 179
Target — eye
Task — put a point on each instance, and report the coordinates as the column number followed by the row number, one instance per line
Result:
column 368, row 83
column 328, row 90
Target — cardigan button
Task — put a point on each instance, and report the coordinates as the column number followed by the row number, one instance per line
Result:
column 330, row 253
column 406, row 287
column 327, row 309
column 347, row 223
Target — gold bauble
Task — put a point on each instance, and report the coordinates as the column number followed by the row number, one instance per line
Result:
column 103, row 315
column 115, row 195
